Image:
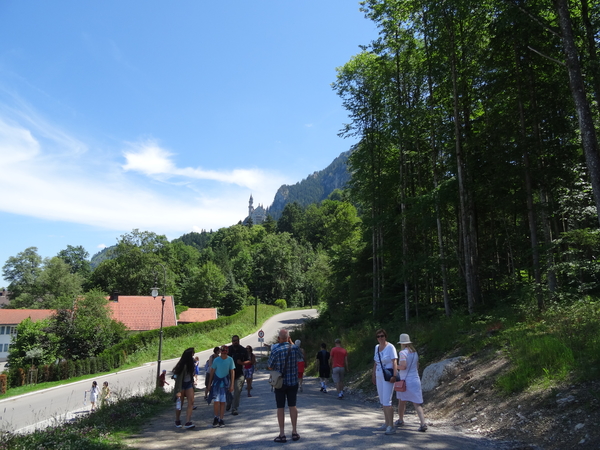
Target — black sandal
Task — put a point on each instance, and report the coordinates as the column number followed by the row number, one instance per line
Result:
column 295, row 437
column 280, row 439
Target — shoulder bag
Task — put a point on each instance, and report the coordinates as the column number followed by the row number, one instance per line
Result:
column 387, row 373
column 276, row 377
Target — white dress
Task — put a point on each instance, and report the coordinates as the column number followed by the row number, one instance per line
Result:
column 94, row 394
column 413, row 391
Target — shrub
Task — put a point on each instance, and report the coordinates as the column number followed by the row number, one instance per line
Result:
column 3, row 383
column 281, row 303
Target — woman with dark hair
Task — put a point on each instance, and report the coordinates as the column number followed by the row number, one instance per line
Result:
column 183, row 373
column 384, row 367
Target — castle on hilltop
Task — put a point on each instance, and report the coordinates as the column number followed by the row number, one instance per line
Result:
column 257, row 215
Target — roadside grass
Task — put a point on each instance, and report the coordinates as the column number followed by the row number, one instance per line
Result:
column 562, row 343
column 103, row 430
column 172, row 348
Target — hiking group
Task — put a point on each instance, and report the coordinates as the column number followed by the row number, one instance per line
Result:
column 230, row 366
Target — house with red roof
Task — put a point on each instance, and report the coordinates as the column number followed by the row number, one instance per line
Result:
column 192, row 315
column 10, row 318
column 142, row 312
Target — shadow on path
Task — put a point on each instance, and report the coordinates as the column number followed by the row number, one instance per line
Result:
column 324, row 422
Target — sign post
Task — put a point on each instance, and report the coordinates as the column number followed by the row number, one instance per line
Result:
column 261, row 339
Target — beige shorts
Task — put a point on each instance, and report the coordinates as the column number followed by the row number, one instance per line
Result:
column 338, row 374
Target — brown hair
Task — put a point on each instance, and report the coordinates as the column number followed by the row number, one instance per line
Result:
column 381, row 331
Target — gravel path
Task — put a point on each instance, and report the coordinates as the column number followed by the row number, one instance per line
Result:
column 324, row 422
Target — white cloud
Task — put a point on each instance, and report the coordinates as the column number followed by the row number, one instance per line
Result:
column 149, row 158
column 71, row 185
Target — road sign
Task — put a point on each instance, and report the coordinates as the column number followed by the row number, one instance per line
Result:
column 261, row 334
column 261, row 340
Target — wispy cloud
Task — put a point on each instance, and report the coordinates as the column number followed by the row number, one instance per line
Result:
column 52, row 175
column 149, row 158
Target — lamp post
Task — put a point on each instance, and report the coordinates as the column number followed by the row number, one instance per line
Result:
column 162, row 313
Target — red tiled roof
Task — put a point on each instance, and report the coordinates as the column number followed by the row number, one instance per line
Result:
column 197, row 315
column 16, row 316
column 140, row 313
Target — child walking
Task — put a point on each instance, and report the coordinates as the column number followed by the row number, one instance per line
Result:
column 94, row 392
column 249, row 369
column 104, row 394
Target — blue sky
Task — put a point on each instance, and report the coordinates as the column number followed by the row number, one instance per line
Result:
column 162, row 116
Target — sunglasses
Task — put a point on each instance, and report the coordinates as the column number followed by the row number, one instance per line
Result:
column 380, row 336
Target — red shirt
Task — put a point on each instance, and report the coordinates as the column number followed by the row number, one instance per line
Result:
column 338, row 355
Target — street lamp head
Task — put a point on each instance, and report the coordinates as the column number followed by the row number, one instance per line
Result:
column 154, row 292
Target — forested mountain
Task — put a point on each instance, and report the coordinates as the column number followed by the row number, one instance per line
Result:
column 102, row 255
column 314, row 188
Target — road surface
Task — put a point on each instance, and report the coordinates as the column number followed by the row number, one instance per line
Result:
column 324, row 422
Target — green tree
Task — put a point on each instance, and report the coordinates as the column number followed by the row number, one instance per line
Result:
column 77, row 258
column 32, row 344
column 22, row 271
column 87, row 328
column 204, row 288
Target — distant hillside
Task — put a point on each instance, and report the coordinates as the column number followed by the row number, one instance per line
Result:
column 315, row 188
column 105, row 253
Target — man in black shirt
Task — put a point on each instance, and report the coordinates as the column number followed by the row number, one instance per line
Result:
column 240, row 357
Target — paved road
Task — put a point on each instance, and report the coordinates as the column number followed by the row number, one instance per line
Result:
column 38, row 409
column 325, row 422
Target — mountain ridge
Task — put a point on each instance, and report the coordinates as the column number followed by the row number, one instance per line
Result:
column 315, row 188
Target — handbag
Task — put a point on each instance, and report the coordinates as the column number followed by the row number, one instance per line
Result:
column 276, row 377
column 387, row 373
column 400, row 385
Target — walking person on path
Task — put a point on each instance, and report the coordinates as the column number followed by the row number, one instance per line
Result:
column 94, row 393
column 339, row 366
column 408, row 368
column 222, row 373
column 240, row 357
column 104, row 394
column 301, row 364
column 385, row 362
column 207, row 366
column 249, row 369
column 184, row 386
column 284, row 358
column 162, row 379
column 324, row 370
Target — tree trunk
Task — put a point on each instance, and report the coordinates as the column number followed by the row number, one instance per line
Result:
column 589, row 138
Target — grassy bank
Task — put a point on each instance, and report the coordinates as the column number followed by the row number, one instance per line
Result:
column 561, row 343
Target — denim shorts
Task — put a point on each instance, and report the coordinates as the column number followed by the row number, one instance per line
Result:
column 185, row 385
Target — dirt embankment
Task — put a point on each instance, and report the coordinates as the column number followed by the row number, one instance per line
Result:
column 562, row 417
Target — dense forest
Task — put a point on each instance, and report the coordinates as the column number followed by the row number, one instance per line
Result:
column 473, row 182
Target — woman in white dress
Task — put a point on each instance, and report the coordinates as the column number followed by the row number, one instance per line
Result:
column 408, row 370
column 385, row 358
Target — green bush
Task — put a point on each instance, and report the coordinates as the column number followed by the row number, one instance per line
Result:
column 281, row 303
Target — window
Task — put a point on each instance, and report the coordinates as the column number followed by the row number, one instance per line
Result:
column 13, row 330
column 2, row 329
column 6, row 347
